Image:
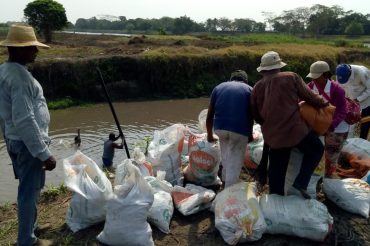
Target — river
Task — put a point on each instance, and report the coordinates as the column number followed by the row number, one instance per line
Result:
column 137, row 119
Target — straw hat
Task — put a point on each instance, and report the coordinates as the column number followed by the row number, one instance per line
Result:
column 21, row 36
column 269, row 61
column 317, row 69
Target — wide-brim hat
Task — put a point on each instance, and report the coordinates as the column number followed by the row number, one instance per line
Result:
column 269, row 61
column 21, row 36
column 317, row 69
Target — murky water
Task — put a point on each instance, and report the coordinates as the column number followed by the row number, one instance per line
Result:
column 138, row 120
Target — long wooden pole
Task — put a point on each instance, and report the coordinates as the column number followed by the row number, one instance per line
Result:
column 113, row 111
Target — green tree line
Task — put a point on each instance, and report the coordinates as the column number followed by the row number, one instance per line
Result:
column 315, row 20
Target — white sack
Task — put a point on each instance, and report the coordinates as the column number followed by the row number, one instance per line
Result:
column 204, row 161
column 352, row 195
column 238, row 216
column 161, row 212
column 294, row 216
column 192, row 198
column 164, row 152
column 127, row 209
column 91, row 190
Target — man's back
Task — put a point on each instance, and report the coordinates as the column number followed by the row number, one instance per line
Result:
column 231, row 105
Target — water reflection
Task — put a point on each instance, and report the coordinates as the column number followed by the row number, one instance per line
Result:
column 137, row 119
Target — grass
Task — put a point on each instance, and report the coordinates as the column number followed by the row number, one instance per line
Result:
column 52, row 191
column 269, row 38
column 66, row 103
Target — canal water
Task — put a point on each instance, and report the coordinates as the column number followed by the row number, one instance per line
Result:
column 138, row 120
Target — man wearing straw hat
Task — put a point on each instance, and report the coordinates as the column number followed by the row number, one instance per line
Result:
column 26, row 118
column 275, row 106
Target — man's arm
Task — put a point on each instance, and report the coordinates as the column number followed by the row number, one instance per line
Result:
column 365, row 79
column 306, row 94
column 209, row 123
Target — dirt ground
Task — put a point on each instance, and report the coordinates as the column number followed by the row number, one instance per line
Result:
column 197, row 229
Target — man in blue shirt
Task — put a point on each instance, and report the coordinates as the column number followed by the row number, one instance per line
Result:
column 108, row 152
column 230, row 116
column 25, row 117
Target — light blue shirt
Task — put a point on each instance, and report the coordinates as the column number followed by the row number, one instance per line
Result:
column 23, row 109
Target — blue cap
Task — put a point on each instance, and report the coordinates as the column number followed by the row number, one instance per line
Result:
column 343, row 72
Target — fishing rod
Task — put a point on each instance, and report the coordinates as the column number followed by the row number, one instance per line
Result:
column 113, row 112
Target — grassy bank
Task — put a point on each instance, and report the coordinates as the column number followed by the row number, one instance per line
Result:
column 159, row 66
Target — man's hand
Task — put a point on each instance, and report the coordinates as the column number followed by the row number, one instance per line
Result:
column 50, row 163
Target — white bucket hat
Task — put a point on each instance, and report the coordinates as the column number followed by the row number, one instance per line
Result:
column 21, row 36
column 317, row 69
column 269, row 61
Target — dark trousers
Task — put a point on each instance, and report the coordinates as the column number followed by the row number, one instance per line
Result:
column 365, row 126
column 312, row 150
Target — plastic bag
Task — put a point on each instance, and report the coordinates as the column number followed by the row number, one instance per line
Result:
column 192, row 198
column 127, row 209
column 238, row 216
column 292, row 215
column 253, row 152
column 204, row 161
column 91, row 191
column 352, row 195
column 164, row 152
column 161, row 212
column 140, row 162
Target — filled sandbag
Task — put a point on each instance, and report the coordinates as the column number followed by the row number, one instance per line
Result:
column 140, row 162
column 294, row 216
column 91, row 190
column 254, row 149
column 161, row 212
column 127, row 209
column 238, row 216
column 204, row 161
column 192, row 198
column 164, row 152
column 352, row 195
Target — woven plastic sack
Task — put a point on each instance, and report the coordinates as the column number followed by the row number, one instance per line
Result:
column 204, row 161
column 91, row 191
column 127, row 209
column 352, row 195
column 238, row 216
column 253, row 152
column 295, row 216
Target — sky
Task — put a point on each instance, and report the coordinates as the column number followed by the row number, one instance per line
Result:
column 198, row 10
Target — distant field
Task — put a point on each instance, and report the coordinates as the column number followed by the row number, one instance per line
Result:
column 69, row 45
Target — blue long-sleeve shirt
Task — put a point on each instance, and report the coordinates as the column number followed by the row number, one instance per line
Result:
column 23, row 109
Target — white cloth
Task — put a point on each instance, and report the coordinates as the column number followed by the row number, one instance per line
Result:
column 343, row 126
column 232, row 147
column 358, row 85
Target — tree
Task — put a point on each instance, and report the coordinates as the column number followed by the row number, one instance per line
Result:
column 183, row 25
column 354, row 28
column 243, row 25
column 225, row 24
column 46, row 16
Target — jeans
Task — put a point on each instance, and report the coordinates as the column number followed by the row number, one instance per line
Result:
column 232, row 147
column 333, row 146
column 365, row 126
column 31, row 177
column 312, row 150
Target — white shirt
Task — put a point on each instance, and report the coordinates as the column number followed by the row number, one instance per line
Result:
column 358, row 85
column 343, row 125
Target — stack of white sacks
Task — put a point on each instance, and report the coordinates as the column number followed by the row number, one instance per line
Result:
column 240, row 216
